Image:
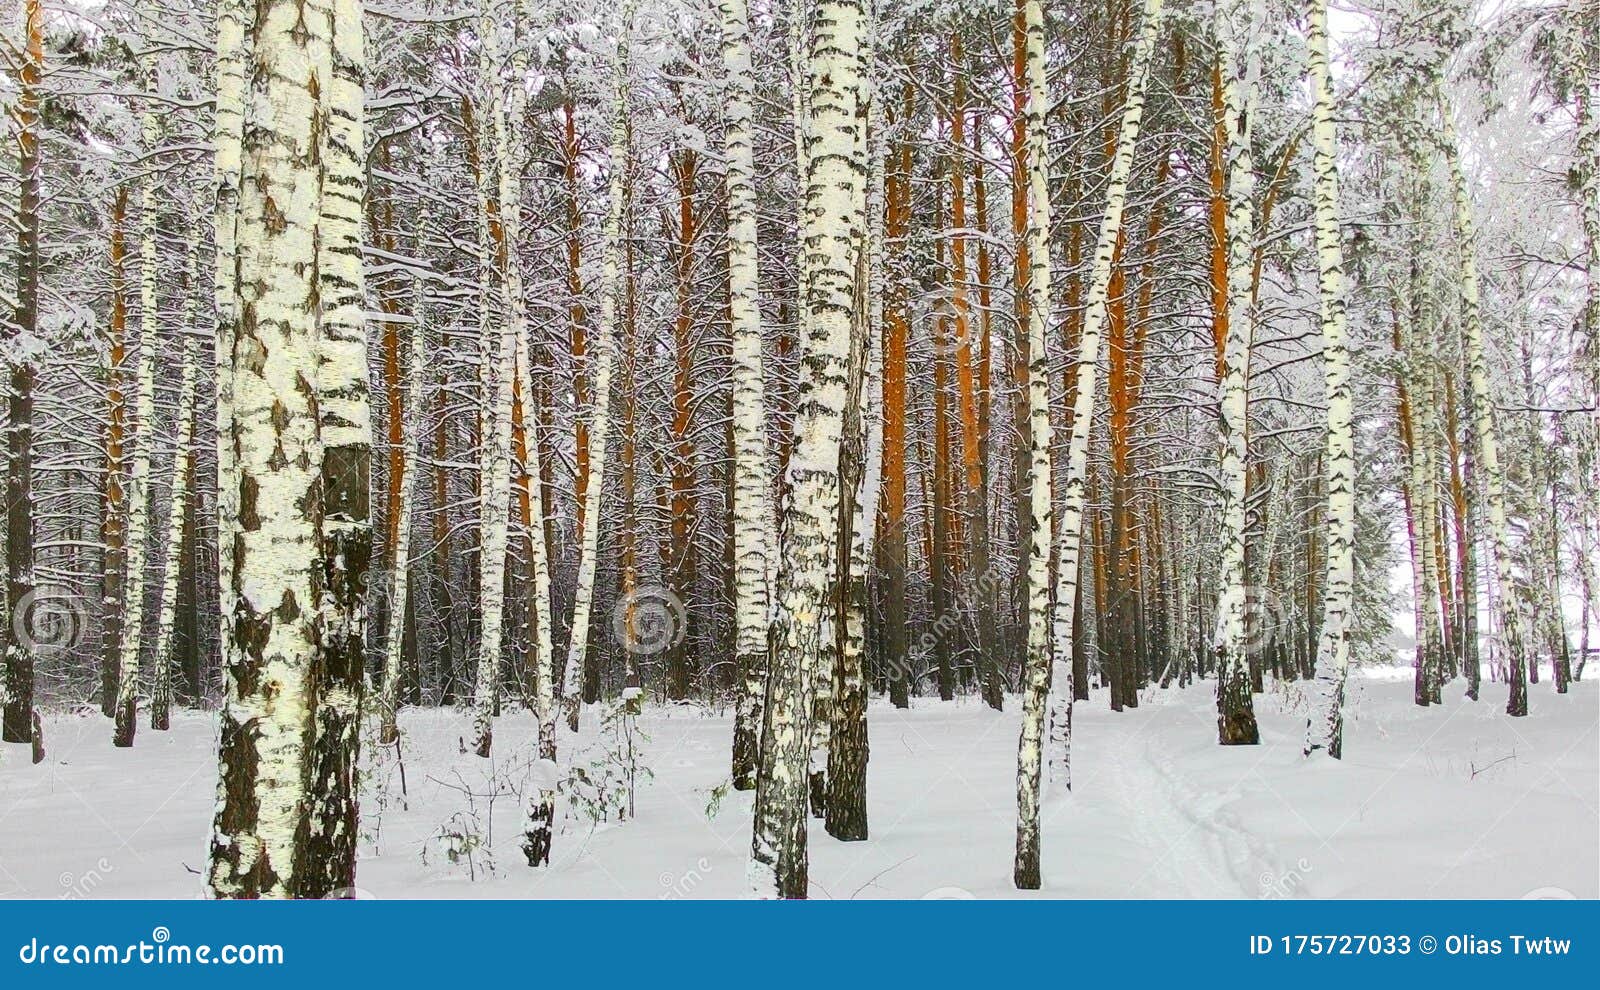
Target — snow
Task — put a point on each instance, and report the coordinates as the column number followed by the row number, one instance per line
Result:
column 1457, row 801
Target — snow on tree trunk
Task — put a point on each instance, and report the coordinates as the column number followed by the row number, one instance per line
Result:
column 138, row 494
column 497, row 351
column 605, row 332
column 1236, row 720
column 345, row 433
column 17, row 717
column 1513, row 649
column 227, row 136
column 399, row 578
column 1325, row 727
column 752, row 491
column 259, row 837
column 1047, row 688
column 846, row 804
column 540, row 827
column 177, row 518
column 834, row 199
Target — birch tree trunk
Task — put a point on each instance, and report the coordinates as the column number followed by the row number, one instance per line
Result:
column 541, row 811
column 138, row 494
column 1513, row 649
column 177, row 518
column 1325, row 727
column 1047, row 681
column 605, row 333
column 259, row 844
column 345, row 434
column 834, row 197
column 400, row 577
column 1236, row 720
column 498, row 352
column 846, row 804
column 227, row 136
column 752, row 489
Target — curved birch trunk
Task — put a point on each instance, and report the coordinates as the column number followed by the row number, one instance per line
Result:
column 539, row 831
column 604, row 353
column 1488, row 460
column 1047, row 681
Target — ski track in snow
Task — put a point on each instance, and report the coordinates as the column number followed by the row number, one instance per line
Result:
column 1428, row 803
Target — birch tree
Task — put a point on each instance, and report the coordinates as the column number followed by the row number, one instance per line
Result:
column 1236, row 31
column 1325, row 727
column 752, row 513
column 834, row 193
column 259, row 833
column 1488, row 450
column 138, row 493
column 497, row 351
column 178, row 515
column 605, row 332
column 1047, row 689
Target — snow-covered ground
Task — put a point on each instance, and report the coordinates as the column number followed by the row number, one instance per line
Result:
column 1454, row 802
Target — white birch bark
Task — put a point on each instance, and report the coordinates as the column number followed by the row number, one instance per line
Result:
column 177, row 516
column 138, row 496
column 400, row 578
column 834, row 194
column 344, row 426
column 1488, row 461
column 257, row 844
column 1325, row 727
column 604, row 356
column 226, row 137
column 752, row 491
column 498, row 351
column 540, row 826
column 1047, row 688
column 1236, row 41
